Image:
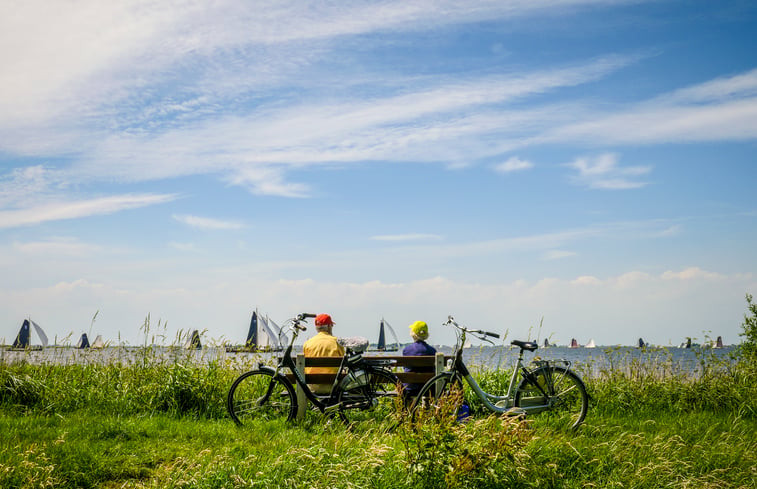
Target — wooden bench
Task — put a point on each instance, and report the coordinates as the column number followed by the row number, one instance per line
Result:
column 433, row 362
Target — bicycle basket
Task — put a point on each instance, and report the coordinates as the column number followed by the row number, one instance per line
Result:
column 356, row 344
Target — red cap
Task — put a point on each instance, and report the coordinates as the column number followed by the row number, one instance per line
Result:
column 323, row 320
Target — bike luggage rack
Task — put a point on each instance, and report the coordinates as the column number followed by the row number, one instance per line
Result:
column 552, row 361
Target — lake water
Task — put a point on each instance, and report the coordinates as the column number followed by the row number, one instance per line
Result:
column 588, row 360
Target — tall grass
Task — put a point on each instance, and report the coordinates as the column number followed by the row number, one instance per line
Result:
column 151, row 420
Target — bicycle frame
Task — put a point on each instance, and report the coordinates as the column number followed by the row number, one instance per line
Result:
column 325, row 404
column 459, row 369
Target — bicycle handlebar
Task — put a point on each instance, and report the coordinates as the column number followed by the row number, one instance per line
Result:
column 302, row 317
column 451, row 320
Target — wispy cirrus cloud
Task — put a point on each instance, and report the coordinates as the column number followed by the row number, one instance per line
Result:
column 723, row 109
column 64, row 210
column 604, row 172
column 407, row 237
column 207, row 223
column 558, row 254
column 57, row 246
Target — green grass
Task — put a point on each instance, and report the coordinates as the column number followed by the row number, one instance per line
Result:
column 163, row 424
column 163, row 451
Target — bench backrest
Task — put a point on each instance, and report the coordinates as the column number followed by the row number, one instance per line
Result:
column 434, row 363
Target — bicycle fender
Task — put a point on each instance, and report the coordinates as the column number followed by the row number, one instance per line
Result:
column 272, row 371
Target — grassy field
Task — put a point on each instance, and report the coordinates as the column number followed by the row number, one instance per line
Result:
column 164, row 425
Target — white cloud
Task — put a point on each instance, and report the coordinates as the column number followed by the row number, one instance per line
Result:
column 604, row 172
column 25, row 184
column 743, row 85
column 586, row 280
column 57, row 246
column 723, row 109
column 513, row 164
column 77, row 209
column 185, row 247
column 615, row 309
column 207, row 223
column 558, row 254
column 692, row 273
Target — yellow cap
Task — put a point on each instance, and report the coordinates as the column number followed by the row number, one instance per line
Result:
column 419, row 328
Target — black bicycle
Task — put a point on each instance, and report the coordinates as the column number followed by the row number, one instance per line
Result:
column 362, row 388
column 546, row 386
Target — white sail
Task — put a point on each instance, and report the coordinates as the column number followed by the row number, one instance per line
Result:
column 283, row 340
column 98, row 343
column 267, row 339
column 40, row 333
column 591, row 344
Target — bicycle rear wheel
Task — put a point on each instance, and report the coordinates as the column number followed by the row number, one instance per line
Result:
column 259, row 394
column 375, row 400
column 440, row 398
column 566, row 401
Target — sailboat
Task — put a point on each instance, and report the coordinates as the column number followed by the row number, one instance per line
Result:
column 381, row 344
column 98, row 343
column 591, row 344
column 193, row 341
column 259, row 336
column 641, row 344
column 23, row 339
column 546, row 343
column 574, row 343
column 687, row 343
column 83, row 342
column 718, row 343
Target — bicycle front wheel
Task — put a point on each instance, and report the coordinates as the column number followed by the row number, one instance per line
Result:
column 439, row 398
column 376, row 400
column 557, row 392
column 259, row 394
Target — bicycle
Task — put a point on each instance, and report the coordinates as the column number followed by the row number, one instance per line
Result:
column 550, row 386
column 359, row 386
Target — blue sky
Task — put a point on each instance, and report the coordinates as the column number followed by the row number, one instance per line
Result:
column 588, row 162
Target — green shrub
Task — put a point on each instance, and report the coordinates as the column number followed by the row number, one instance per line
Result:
column 749, row 332
column 441, row 451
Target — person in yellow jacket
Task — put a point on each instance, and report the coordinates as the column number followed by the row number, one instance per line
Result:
column 323, row 344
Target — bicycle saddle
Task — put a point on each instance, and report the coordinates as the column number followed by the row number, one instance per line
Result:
column 526, row 345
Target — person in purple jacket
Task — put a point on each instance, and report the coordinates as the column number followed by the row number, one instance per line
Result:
column 419, row 333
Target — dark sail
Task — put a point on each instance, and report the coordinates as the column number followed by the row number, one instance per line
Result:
column 641, row 343
column 252, row 335
column 83, row 341
column 23, row 337
column 382, row 338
